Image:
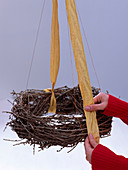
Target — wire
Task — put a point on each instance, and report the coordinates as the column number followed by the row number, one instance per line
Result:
column 90, row 54
column 35, row 44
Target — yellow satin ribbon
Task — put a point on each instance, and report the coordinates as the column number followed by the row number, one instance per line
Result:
column 81, row 66
column 47, row 90
column 55, row 53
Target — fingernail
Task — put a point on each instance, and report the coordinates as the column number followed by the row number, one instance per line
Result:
column 90, row 135
column 87, row 108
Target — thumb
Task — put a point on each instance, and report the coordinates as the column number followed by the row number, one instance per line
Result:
column 94, row 107
column 92, row 141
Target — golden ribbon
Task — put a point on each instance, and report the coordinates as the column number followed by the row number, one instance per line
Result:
column 55, row 53
column 81, row 66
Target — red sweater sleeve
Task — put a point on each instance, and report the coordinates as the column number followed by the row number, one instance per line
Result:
column 117, row 108
column 104, row 159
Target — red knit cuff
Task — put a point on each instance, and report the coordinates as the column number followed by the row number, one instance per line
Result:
column 117, row 108
column 105, row 159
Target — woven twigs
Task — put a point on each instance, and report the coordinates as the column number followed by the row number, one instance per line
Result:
column 67, row 127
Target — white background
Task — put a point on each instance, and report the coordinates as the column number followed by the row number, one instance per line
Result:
column 105, row 24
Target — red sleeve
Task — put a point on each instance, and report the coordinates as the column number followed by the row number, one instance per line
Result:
column 102, row 157
column 117, row 108
column 105, row 159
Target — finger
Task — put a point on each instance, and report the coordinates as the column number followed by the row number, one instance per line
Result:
column 88, row 149
column 87, row 158
column 87, row 145
column 92, row 141
column 97, row 99
column 95, row 107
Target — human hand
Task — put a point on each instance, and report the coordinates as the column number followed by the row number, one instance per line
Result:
column 89, row 145
column 100, row 102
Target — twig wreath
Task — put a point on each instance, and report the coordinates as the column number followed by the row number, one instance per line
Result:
column 67, row 127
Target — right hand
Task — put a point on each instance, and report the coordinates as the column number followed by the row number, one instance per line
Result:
column 89, row 145
column 100, row 102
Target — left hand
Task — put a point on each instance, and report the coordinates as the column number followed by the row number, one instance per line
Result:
column 89, row 145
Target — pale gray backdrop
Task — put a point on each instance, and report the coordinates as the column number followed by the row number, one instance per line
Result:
column 105, row 24
column 106, row 27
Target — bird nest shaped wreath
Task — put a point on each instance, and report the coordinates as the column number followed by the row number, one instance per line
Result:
column 30, row 119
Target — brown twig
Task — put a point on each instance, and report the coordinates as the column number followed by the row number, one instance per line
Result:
column 65, row 128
